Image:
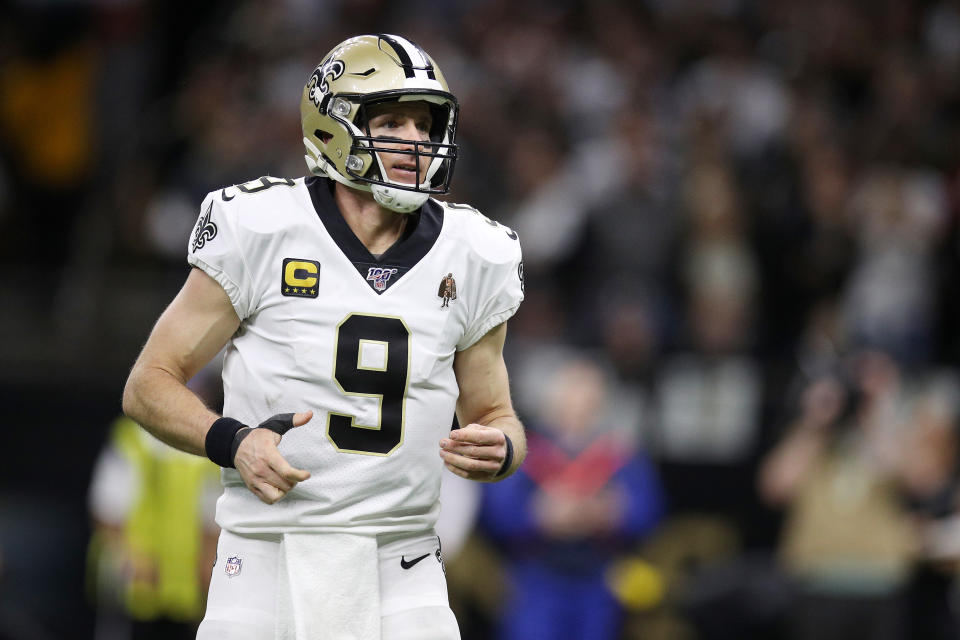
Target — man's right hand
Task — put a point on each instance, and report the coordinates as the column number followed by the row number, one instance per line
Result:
column 263, row 469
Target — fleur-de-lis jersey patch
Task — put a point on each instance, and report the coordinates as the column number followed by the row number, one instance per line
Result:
column 206, row 229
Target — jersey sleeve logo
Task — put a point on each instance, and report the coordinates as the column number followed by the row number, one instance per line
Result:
column 300, row 278
column 447, row 290
column 206, row 229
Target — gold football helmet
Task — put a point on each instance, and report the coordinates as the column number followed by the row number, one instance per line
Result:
column 372, row 69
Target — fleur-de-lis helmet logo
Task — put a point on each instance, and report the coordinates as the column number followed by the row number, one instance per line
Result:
column 318, row 85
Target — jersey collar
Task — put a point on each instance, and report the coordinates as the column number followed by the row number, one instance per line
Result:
column 418, row 238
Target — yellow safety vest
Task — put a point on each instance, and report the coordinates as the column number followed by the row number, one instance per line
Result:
column 165, row 528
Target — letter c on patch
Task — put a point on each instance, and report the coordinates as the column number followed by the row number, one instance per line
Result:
column 300, row 277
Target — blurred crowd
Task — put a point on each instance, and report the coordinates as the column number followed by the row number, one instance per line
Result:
column 741, row 230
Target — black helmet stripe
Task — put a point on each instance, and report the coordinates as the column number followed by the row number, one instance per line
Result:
column 413, row 59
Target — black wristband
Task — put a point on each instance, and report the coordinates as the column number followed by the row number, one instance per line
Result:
column 508, row 459
column 280, row 424
column 219, row 440
column 242, row 433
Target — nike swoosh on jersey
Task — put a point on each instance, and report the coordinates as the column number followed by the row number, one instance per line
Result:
column 407, row 564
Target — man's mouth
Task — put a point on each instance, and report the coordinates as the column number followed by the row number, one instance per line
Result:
column 405, row 172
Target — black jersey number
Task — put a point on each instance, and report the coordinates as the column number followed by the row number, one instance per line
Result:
column 493, row 223
column 372, row 359
column 260, row 184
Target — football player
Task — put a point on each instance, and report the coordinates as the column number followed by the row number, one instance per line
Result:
column 344, row 367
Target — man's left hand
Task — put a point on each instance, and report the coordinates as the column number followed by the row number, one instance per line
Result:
column 475, row 452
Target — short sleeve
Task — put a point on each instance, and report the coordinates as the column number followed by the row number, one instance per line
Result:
column 214, row 247
column 503, row 289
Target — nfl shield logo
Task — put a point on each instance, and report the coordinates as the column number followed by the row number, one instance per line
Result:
column 232, row 567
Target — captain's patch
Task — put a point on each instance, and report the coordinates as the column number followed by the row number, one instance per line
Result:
column 300, row 278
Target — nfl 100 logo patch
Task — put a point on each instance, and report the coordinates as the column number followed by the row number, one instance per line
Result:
column 380, row 276
column 232, row 568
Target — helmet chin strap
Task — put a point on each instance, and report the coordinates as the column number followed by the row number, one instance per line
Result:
column 399, row 200
column 316, row 163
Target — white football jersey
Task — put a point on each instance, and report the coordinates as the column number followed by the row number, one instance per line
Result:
column 367, row 343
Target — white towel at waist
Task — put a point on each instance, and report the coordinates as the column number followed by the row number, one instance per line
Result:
column 329, row 587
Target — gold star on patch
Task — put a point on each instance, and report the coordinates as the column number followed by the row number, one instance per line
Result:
column 299, row 278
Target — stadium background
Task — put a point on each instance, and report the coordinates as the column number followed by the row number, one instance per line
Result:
column 722, row 177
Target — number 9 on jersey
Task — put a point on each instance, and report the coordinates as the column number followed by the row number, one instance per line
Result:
column 371, row 360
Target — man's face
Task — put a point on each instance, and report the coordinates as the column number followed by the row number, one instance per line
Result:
column 401, row 121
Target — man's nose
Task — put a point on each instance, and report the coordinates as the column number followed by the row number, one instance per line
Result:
column 411, row 132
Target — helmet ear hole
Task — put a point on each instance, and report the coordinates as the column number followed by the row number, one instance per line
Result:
column 323, row 136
